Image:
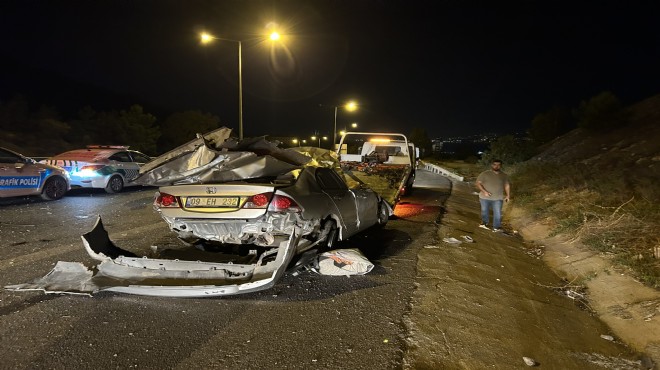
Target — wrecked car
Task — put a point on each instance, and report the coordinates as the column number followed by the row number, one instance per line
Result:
column 263, row 211
column 248, row 205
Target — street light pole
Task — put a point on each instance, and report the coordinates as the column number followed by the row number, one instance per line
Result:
column 207, row 38
column 334, row 132
column 350, row 106
column 240, row 90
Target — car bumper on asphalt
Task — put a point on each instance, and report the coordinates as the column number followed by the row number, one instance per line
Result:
column 124, row 272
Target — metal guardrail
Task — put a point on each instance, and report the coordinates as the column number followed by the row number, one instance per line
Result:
column 437, row 169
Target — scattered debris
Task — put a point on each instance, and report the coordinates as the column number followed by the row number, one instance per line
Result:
column 451, row 240
column 343, row 262
column 572, row 294
column 124, row 272
column 467, row 239
column 607, row 337
column 536, row 251
column 530, row 361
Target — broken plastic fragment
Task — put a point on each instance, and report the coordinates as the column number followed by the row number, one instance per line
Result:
column 529, row 361
column 451, row 240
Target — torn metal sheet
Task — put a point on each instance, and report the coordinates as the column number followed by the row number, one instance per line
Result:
column 215, row 158
column 161, row 277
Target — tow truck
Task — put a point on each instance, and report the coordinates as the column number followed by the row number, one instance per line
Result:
column 385, row 162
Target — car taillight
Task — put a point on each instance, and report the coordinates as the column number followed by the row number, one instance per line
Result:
column 166, row 201
column 92, row 167
column 90, row 170
column 283, row 203
column 258, row 201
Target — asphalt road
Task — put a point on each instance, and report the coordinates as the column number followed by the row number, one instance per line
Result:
column 307, row 320
column 425, row 305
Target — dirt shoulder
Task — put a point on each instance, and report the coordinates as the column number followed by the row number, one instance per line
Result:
column 493, row 302
column 629, row 308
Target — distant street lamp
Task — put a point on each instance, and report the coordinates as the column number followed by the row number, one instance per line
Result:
column 350, row 106
column 318, row 137
column 354, row 125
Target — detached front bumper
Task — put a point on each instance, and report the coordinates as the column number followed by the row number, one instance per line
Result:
column 122, row 271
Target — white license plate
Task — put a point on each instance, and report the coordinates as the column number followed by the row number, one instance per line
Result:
column 194, row 202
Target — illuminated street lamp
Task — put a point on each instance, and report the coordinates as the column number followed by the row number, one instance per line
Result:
column 343, row 132
column 350, row 106
column 318, row 137
column 207, row 38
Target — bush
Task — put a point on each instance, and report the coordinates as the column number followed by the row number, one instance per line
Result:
column 603, row 111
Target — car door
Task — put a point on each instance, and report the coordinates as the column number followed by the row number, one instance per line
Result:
column 343, row 198
column 18, row 175
column 124, row 163
column 138, row 160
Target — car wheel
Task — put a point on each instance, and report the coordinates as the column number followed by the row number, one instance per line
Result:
column 331, row 235
column 115, row 185
column 383, row 214
column 409, row 189
column 54, row 189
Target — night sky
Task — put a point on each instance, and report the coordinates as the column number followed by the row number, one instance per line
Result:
column 450, row 67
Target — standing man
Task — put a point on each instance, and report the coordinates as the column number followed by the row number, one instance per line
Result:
column 494, row 189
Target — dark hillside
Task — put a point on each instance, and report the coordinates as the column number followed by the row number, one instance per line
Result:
column 601, row 188
column 634, row 148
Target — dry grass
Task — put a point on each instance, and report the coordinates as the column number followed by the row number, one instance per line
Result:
column 610, row 214
column 617, row 215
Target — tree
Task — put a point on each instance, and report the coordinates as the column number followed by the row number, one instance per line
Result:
column 82, row 128
column 549, row 125
column 139, row 129
column 14, row 113
column 181, row 127
column 32, row 133
column 603, row 111
column 509, row 149
column 132, row 127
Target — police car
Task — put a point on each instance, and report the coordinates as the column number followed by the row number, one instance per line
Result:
column 108, row 167
column 20, row 175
